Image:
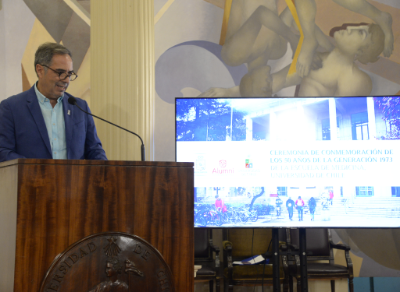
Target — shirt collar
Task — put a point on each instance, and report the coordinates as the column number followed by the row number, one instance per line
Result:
column 42, row 99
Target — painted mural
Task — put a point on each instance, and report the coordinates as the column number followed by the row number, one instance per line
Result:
column 39, row 21
column 224, row 48
column 335, row 48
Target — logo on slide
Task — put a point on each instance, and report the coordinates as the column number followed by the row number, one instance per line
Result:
column 249, row 163
column 222, row 163
column 222, row 168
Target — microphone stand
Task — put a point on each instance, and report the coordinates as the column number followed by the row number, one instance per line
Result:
column 142, row 150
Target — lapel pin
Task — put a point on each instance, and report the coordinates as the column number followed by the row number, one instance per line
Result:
column 69, row 112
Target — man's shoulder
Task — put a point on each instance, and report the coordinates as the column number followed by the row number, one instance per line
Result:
column 23, row 96
column 13, row 103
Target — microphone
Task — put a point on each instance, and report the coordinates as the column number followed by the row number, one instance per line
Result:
column 72, row 100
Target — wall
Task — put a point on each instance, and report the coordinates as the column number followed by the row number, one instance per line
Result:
column 16, row 22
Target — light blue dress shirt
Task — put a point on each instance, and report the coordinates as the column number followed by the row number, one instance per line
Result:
column 54, row 120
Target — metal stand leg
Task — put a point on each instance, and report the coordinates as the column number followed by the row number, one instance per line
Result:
column 303, row 260
column 275, row 260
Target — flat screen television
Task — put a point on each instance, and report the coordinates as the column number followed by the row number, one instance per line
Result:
column 292, row 162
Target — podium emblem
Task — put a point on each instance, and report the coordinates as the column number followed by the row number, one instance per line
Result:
column 109, row 262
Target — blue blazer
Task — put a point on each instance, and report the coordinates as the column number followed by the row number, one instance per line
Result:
column 23, row 132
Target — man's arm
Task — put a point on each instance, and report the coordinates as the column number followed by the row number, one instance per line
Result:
column 7, row 136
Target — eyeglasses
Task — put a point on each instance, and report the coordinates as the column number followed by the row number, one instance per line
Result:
column 63, row 74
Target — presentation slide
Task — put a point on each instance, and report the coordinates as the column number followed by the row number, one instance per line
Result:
column 292, row 162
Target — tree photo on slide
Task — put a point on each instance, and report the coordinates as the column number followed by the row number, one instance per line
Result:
column 208, row 120
column 390, row 107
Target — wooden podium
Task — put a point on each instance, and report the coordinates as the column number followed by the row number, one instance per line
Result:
column 46, row 205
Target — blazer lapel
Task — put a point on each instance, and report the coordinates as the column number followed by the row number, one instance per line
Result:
column 34, row 108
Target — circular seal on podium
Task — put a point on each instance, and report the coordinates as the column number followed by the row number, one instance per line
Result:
column 109, row 262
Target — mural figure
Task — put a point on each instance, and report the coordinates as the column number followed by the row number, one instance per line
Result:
column 339, row 75
column 306, row 10
column 255, row 35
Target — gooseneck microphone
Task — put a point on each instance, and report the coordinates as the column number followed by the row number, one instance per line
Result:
column 72, row 100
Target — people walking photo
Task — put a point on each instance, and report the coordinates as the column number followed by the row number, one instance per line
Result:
column 300, row 207
column 312, row 204
column 289, row 207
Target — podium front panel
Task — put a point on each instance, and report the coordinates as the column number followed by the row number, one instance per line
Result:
column 59, row 202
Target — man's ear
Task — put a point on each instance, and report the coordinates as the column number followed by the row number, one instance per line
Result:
column 39, row 70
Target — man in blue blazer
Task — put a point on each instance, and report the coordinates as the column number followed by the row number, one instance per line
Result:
column 40, row 123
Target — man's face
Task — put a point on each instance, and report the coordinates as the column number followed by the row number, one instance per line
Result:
column 49, row 83
column 352, row 38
